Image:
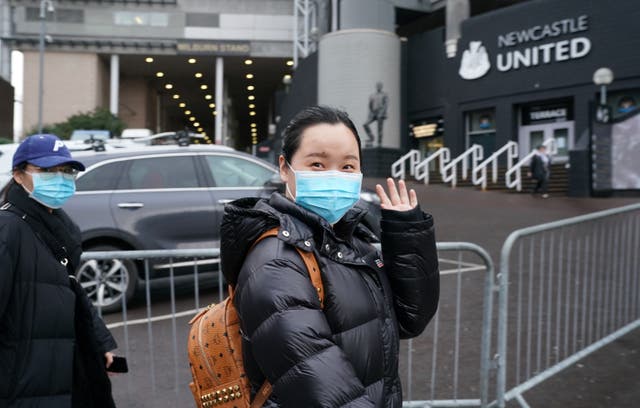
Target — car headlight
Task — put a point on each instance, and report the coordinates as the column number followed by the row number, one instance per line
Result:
column 369, row 197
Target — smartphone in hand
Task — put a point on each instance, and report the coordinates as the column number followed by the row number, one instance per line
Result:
column 119, row 365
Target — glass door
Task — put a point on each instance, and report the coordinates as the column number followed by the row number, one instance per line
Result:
column 534, row 135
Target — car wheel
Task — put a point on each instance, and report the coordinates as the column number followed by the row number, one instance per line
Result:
column 107, row 281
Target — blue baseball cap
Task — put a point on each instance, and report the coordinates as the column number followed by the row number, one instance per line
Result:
column 44, row 151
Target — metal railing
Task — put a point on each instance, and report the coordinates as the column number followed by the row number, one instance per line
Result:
column 398, row 167
column 511, row 149
column 516, row 170
column 450, row 171
column 149, row 337
column 463, row 313
column 152, row 331
column 573, row 286
column 421, row 170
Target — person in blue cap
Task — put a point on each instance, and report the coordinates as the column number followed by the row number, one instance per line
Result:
column 54, row 348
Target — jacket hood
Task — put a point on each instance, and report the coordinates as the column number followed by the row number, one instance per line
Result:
column 247, row 218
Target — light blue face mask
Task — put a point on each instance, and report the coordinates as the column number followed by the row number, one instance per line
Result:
column 52, row 189
column 330, row 194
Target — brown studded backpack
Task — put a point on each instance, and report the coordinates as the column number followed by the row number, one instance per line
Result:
column 215, row 349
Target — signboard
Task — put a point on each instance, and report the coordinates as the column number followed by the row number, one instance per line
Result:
column 214, row 47
column 528, row 48
column 556, row 112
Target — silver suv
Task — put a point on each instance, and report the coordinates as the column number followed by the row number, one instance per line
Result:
column 160, row 197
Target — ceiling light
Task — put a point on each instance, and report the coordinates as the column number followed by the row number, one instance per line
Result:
column 176, row 96
column 254, row 130
column 199, row 129
column 187, row 112
column 191, row 61
column 192, row 118
column 196, row 124
column 214, row 113
column 148, row 59
column 252, row 113
column 249, row 76
column 248, row 62
column 290, row 63
column 182, row 104
column 159, row 74
column 207, row 97
column 198, row 74
column 168, row 86
column 138, row 20
column 251, row 97
column 252, row 105
column 212, row 105
column 287, row 77
column 253, row 125
column 203, row 87
column 251, row 88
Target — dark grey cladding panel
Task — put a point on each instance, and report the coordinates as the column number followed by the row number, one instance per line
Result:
column 203, row 20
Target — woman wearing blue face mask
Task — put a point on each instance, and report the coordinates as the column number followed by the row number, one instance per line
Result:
column 345, row 352
column 54, row 348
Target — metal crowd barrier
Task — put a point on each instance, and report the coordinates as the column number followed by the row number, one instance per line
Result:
column 440, row 370
column 567, row 289
column 447, row 366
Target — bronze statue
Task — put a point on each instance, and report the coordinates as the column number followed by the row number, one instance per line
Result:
column 377, row 113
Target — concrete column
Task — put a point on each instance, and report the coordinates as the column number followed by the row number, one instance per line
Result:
column 457, row 11
column 334, row 15
column 114, row 84
column 5, row 31
column 219, row 99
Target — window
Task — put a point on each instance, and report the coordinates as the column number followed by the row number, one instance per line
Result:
column 481, row 130
column 61, row 15
column 160, row 172
column 228, row 171
column 104, row 177
column 624, row 103
column 140, row 18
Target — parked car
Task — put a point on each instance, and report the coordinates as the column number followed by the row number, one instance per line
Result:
column 159, row 197
column 132, row 133
column 172, row 138
column 6, row 158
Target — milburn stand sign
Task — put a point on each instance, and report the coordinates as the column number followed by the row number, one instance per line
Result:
column 475, row 61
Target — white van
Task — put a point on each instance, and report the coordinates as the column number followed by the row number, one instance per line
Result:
column 133, row 133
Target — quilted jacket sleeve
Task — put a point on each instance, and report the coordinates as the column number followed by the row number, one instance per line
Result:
column 289, row 335
column 411, row 263
column 7, row 266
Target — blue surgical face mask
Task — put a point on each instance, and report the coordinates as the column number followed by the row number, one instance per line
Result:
column 330, row 194
column 52, row 189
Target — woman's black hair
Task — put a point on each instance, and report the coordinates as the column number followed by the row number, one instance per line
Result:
column 314, row 115
column 11, row 182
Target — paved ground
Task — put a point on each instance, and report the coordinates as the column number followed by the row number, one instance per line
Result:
column 608, row 378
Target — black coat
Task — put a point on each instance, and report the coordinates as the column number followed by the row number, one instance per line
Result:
column 539, row 169
column 347, row 354
column 37, row 313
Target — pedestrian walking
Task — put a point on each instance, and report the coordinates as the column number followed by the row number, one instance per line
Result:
column 540, row 170
column 54, row 348
column 344, row 352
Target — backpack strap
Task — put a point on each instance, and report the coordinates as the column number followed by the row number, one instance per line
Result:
column 313, row 269
column 309, row 260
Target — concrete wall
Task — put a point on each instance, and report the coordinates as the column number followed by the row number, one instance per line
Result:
column 6, row 110
column 375, row 14
column 134, row 102
column 350, row 64
column 74, row 76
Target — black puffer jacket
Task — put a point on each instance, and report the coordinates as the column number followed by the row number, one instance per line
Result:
column 37, row 308
column 347, row 354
